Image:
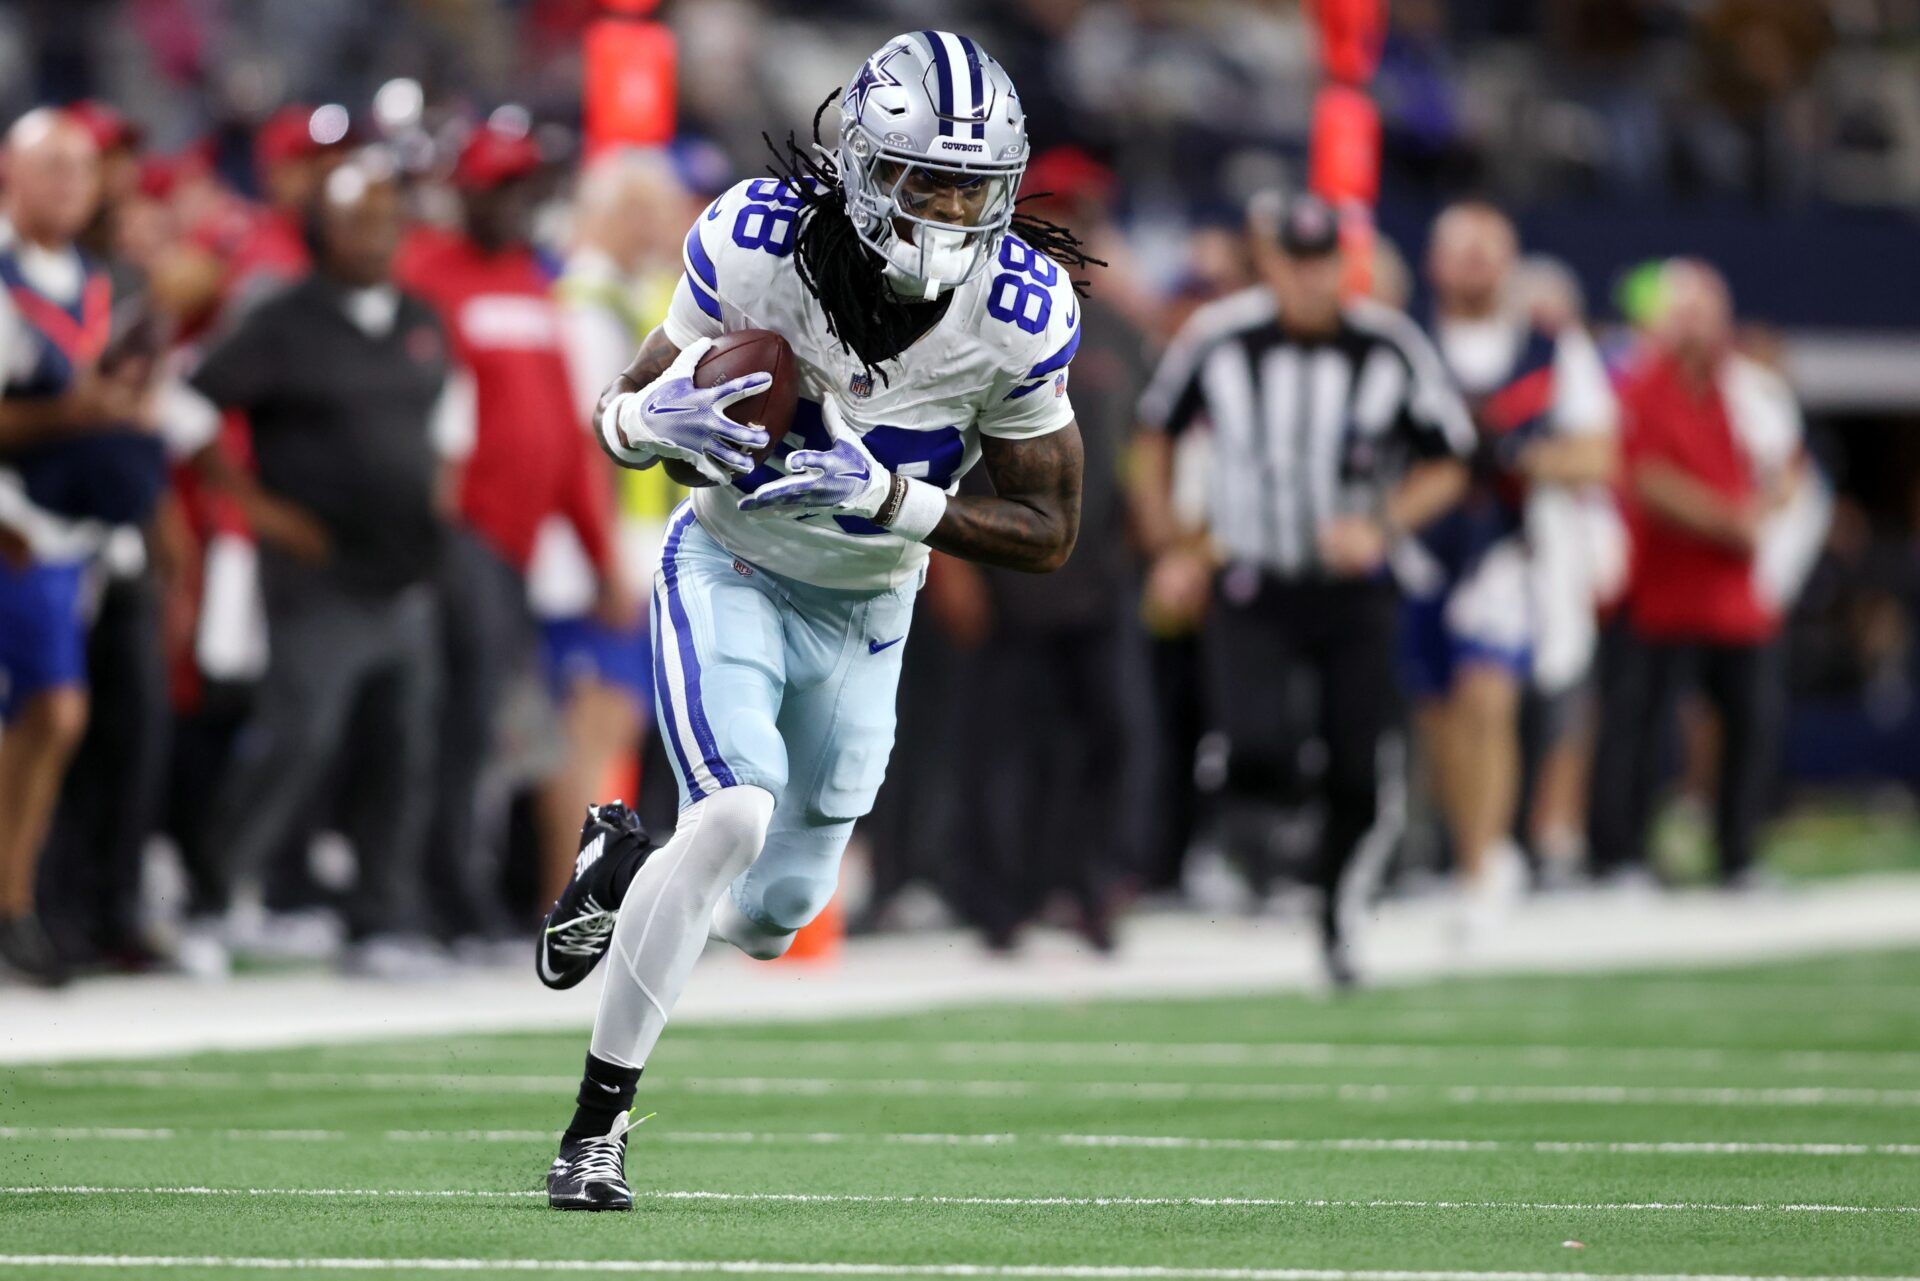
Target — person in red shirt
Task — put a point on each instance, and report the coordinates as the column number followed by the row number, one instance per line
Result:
column 1712, row 450
column 529, row 459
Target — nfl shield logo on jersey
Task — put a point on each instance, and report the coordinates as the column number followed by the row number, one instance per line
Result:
column 861, row 385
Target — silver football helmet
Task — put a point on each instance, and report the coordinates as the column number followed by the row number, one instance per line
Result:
column 932, row 145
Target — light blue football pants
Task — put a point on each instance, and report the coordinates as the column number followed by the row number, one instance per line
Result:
column 776, row 701
column 767, row 682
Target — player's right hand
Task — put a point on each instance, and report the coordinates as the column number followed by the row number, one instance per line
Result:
column 672, row 418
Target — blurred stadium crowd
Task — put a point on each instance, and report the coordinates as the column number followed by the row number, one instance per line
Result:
column 349, row 697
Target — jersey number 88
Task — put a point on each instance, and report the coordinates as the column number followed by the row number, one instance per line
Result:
column 768, row 221
column 1019, row 294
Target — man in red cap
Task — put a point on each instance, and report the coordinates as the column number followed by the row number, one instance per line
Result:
column 117, row 140
column 530, row 459
column 293, row 153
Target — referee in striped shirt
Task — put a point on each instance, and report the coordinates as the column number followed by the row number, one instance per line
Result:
column 1331, row 430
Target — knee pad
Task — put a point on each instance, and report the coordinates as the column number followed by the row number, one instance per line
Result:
column 755, row 751
column 794, row 877
column 758, row 941
column 789, row 902
column 729, row 827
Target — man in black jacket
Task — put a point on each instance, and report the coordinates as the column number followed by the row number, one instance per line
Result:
column 344, row 381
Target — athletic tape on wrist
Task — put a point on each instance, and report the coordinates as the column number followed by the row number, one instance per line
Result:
column 921, row 508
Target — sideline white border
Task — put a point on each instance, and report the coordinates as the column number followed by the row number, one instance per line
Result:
column 1185, row 954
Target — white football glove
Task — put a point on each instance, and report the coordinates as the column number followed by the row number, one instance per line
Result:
column 672, row 418
column 845, row 478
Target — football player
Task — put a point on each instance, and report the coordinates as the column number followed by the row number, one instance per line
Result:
column 932, row 327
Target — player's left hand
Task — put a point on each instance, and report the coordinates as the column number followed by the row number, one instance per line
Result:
column 845, row 478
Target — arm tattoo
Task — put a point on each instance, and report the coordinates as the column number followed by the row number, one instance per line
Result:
column 1034, row 516
column 655, row 354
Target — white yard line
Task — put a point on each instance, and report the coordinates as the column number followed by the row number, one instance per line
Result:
column 1252, row 1054
column 746, row 1138
column 765, row 1267
column 1023, row 1202
column 921, row 1087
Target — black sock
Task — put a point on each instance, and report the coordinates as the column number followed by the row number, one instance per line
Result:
column 606, row 1090
column 633, row 855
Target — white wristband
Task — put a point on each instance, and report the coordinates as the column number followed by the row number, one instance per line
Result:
column 612, row 441
column 920, row 510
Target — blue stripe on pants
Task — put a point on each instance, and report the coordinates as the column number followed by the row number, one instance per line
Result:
column 669, row 724
column 689, row 659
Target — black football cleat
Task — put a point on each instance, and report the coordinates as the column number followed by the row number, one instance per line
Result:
column 591, row 1173
column 579, row 928
column 27, row 952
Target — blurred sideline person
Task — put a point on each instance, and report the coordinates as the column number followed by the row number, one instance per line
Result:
column 1712, row 453
column 238, row 253
column 1578, row 556
column 296, row 149
column 89, row 882
column 615, row 286
column 529, row 460
column 1335, row 433
column 1059, row 807
column 344, row 381
column 77, row 457
column 1545, row 417
column 118, row 141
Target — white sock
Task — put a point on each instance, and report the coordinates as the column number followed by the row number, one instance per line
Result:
column 665, row 916
column 762, row 942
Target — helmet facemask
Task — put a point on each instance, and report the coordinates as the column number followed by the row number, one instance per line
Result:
column 933, row 223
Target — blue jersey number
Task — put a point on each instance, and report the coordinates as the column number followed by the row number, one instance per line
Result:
column 933, row 456
column 768, row 220
column 1019, row 294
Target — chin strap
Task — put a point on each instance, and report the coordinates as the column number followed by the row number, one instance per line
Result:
column 944, row 249
column 908, row 285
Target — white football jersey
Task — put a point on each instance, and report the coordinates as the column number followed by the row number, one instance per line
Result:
column 995, row 364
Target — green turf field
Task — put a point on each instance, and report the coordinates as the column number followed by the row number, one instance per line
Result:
column 1753, row 1122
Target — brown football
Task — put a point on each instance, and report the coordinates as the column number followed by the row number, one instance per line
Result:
column 748, row 351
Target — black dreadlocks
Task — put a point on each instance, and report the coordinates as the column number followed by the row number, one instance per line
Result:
column 844, row 276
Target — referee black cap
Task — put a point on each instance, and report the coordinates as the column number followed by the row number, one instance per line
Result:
column 1309, row 228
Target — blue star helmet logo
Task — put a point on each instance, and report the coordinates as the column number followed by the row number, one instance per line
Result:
column 873, row 75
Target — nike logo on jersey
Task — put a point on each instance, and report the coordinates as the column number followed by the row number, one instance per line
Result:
column 874, row 647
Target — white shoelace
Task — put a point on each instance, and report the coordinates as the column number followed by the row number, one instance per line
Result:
column 604, row 1158
column 586, row 934
column 604, row 1161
